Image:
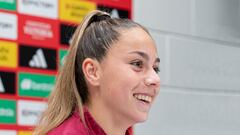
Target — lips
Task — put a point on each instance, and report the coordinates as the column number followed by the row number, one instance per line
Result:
column 143, row 97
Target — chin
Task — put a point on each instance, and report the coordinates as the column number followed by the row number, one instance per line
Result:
column 141, row 117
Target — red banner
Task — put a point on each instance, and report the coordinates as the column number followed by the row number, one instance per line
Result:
column 123, row 4
column 38, row 31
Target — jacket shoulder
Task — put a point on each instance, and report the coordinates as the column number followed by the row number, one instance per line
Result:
column 71, row 126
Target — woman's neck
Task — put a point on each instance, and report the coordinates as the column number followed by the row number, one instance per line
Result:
column 112, row 123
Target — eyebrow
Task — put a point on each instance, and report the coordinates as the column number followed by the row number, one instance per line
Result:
column 144, row 55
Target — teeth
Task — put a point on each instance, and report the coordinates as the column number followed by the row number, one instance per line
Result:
column 143, row 97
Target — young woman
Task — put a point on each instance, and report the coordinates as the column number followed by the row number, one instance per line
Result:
column 108, row 82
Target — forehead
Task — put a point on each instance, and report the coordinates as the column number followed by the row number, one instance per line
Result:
column 135, row 39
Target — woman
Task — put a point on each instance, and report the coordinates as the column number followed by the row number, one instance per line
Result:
column 108, row 82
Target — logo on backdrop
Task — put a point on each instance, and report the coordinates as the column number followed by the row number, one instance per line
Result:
column 39, row 8
column 8, row 132
column 66, row 33
column 8, row 4
column 38, row 60
column 22, row 132
column 36, row 85
column 41, row 58
column 2, row 89
column 38, row 31
column 8, row 54
column 7, row 111
column 28, row 84
column 115, row 13
column 7, row 82
column 75, row 10
column 29, row 112
column 8, row 26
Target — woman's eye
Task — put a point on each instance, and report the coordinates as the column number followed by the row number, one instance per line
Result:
column 156, row 69
column 138, row 64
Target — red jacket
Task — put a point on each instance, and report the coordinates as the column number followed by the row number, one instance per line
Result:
column 74, row 126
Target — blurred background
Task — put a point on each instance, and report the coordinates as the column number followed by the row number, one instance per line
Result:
column 198, row 42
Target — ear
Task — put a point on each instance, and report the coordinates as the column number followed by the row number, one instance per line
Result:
column 91, row 70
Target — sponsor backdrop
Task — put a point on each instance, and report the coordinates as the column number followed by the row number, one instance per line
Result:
column 34, row 38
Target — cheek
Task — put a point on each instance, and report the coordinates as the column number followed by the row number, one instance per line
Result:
column 120, row 80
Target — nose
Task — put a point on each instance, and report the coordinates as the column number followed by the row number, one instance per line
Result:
column 152, row 79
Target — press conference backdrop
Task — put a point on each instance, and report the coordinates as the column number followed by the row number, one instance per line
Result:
column 34, row 38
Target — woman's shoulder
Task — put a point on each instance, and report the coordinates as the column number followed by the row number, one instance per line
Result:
column 71, row 126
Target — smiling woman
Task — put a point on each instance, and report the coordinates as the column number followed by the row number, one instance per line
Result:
column 108, row 82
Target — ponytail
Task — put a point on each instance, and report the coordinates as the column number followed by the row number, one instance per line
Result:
column 65, row 96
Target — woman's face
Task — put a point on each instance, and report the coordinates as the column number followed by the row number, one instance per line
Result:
column 129, row 82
